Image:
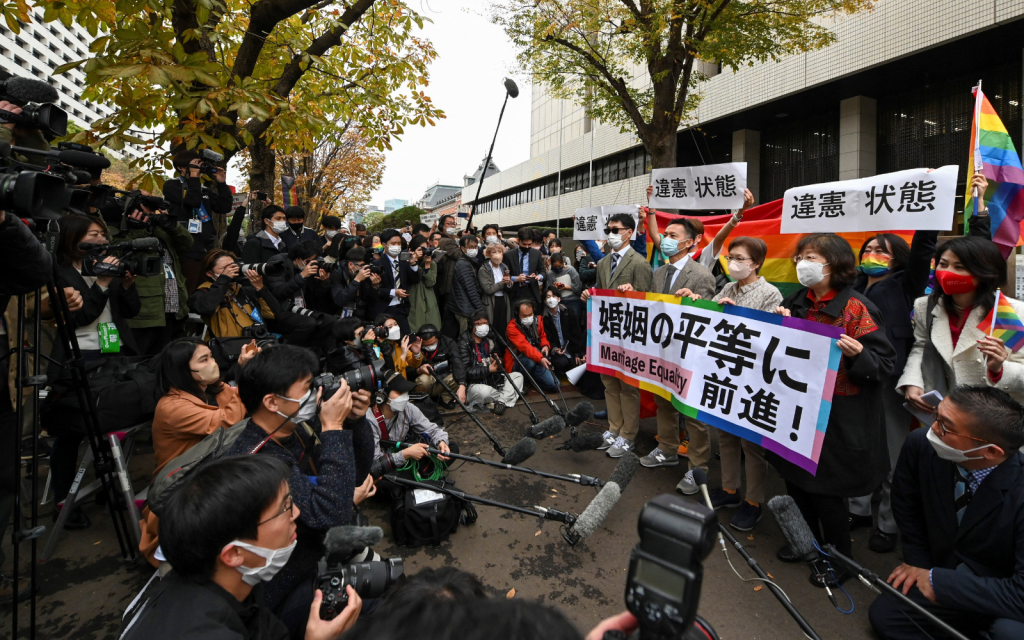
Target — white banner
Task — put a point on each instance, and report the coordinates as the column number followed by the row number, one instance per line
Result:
column 911, row 199
column 709, row 186
column 761, row 376
column 429, row 218
column 590, row 222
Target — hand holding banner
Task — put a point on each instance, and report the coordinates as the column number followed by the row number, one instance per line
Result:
column 710, row 186
column 590, row 222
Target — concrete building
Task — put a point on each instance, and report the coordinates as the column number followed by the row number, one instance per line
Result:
column 42, row 47
column 893, row 92
column 394, row 203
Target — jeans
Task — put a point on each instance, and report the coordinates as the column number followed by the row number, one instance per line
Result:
column 540, row 374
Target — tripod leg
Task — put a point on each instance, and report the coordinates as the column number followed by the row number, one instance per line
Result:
column 69, row 504
column 519, row 392
column 126, row 487
column 494, row 441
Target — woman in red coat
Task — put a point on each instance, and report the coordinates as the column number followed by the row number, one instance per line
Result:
column 526, row 336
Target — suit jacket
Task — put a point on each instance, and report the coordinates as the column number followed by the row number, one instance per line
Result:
column 633, row 269
column 387, row 283
column 260, row 248
column 124, row 304
column 989, row 540
column 963, row 364
column 514, row 261
column 694, row 276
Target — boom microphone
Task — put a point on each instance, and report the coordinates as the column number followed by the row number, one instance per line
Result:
column 793, row 526
column 579, row 414
column 520, row 452
column 550, row 427
column 139, row 244
column 347, row 540
column 25, row 90
column 604, row 501
column 586, row 441
column 81, row 159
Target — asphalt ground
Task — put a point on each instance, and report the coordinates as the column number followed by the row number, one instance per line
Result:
column 85, row 588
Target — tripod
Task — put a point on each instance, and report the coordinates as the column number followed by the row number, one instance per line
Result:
column 526, row 374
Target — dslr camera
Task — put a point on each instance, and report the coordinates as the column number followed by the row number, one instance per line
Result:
column 261, row 269
column 369, row 579
column 257, row 332
column 359, row 376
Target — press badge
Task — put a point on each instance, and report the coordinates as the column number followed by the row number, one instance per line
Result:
column 110, row 339
column 195, row 225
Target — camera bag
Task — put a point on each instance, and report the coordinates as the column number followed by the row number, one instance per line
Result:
column 420, row 517
column 123, row 390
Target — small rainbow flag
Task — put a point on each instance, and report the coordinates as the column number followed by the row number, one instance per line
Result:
column 1008, row 325
column 289, row 192
column 994, row 156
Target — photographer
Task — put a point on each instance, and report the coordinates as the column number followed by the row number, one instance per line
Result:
column 297, row 230
column 291, row 286
column 487, row 385
column 267, row 243
column 330, row 242
column 422, row 302
column 395, row 418
column 329, row 467
column 435, row 349
column 396, row 277
column 354, row 346
column 193, row 206
column 231, row 308
column 352, row 285
column 225, row 532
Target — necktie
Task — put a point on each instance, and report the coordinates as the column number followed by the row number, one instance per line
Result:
column 961, row 492
column 398, row 279
column 615, row 262
column 670, row 276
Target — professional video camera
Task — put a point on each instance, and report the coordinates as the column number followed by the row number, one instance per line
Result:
column 41, row 192
column 37, row 111
column 207, row 168
column 360, row 376
column 128, row 262
column 116, row 205
column 335, row 571
column 261, row 269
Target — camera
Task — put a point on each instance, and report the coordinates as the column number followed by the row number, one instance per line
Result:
column 405, row 255
column 369, row 579
column 256, row 331
column 262, row 268
column 666, row 567
column 33, row 194
column 128, row 262
column 361, row 376
column 440, row 368
column 47, row 117
column 375, row 269
column 212, row 156
column 261, row 195
column 116, row 205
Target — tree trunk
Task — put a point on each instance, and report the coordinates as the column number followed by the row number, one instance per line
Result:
column 262, row 177
column 661, row 145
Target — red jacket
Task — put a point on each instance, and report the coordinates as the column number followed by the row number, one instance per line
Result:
column 519, row 342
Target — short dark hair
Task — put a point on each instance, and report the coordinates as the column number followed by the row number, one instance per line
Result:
column 274, row 370
column 554, row 241
column 218, row 503
column 295, row 212
column 419, row 227
column 435, row 233
column 686, row 224
column 302, row 250
column 479, row 314
column 558, row 256
column 174, row 372
column 360, row 227
column 982, row 258
column 625, row 220
column 996, row 416
column 837, row 252
column 895, row 245
column 496, row 228
column 526, row 233
column 391, row 233
column 184, row 158
column 269, row 211
column 551, row 289
column 356, row 254
column 345, row 328
column 435, row 585
column 73, row 228
column 464, row 241
column 756, row 247
column 548, row 232
column 417, row 241
column 330, row 222
column 443, row 219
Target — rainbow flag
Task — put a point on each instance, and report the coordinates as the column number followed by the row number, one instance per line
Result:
column 1008, row 326
column 993, row 155
column 289, row 192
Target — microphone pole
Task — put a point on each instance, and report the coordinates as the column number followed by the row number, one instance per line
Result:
column 878, row 585
column 494, row 441
column 582, row 480
column 554, row 407
column 533, row 414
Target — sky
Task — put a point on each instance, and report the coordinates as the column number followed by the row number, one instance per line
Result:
column 473, row 56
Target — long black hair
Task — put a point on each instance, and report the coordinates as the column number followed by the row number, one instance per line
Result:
column 985, row 262
column 175, row 372
column 895, row 245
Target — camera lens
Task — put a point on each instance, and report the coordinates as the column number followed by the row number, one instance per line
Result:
column 33, row 194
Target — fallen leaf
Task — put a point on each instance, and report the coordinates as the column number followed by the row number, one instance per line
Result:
column 96, row 543
column 750, row 537
column 758, row 587
column 771, row 576
column 511, row 594
column 536, row 534
column 555, row 490
column 477, row 453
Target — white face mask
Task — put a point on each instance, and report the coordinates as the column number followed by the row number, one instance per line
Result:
column 491, row 239
column 430, row 348
column 946, row 452
column 739, row 270
column 551, row 302
column 279, row 226
column 481, row 330
column 615, row 241
column 527, row 321
column 276, row 559
column 398, row 404
column 394, row 250
column 471, row 252
column 331, row 234
column 395, row 333
column 306, row 412
column 810, row 273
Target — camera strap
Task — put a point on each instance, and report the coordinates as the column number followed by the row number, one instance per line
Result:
column 255, row 314
column 199, row 214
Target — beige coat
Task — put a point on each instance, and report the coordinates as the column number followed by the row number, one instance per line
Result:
column 633, row 269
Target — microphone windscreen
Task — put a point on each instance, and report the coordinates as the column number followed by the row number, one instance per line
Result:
column 700, row 476
column 550, row 427
column 597, row 510
column 346, row 540
column 83, row 159
column 625, row 469
column 587, row 441
column 520, row 452
column 27, row 90
column 579, row 414
column 143, row 244
column 793, row 525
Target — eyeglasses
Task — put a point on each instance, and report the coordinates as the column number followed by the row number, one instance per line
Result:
column 739, row 259
column 944, row 430
column 810, row 258
column 287, row 509
column 609, row 230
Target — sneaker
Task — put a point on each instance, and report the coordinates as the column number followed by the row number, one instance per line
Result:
column 658, row 458
column 746, row 517
column 601, row 415
column 882, row 542
column 860, row 522
column 687, row 486
column 722, row 499
column 620, row 447
column 609, row 440
column 684, row 445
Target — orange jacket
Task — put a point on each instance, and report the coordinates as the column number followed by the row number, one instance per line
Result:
column 518, row 341
column 182, row 420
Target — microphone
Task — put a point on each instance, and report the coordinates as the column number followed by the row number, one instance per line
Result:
column 520, row 452
column 80, row 159
column 579, row 414
column 794, row 527
column 550, row 427
column 139, row 244
column 23, row 90
column 346, row 541
column 604, row 501
column 586, row 441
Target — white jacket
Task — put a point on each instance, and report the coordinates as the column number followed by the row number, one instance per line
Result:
column 965, row 362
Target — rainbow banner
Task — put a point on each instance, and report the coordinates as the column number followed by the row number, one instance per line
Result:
column 763, row 377
column 994, row 156
column 1008, row 326
column 289, row 192
column 765, row 221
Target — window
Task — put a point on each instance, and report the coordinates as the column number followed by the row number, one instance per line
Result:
column 805, row 152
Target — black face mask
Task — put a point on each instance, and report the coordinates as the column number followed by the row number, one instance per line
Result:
column 525, row 249
column 296, row 226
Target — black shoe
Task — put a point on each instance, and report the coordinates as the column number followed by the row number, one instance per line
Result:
column 601, row 415
column 860, row 522
column 43, row 449
column 821, row 576
column 498, row 408
column 77, row 520
column 882, row 542
column 786, row 554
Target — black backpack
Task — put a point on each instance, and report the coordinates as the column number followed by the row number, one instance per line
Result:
column 420, row 517
column 123, row 390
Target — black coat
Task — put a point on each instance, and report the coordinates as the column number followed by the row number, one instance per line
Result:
column 577, row 344
column 446, row 350
column 307, row 235
column 345, row 291
column 476, row 372
column 25, row 263
column 124, row 304
column 387, row 283
column 288, row 285
column 854, row 456
column 531, row 289
column 989, row 540
column 259, row 248
column 465, row 295
column 183, row 202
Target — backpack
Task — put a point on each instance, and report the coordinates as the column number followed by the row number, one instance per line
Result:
column 421, row 517
column 208, row 449
column 123, row 393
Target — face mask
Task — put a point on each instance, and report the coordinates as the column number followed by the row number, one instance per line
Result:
column 471, row 252
column 874, row 264
column 809, row 273
column 739, row 270
column 306, row 412
column 394, row 250
column 279, row 226
column 557, row 268
column 395, row 333
column 527, row 321
column 208, row 374
column 954, row 283
column 430, row 348
column 491, row 239
column 331, row 234
column 452, row 231
column 947, row 452
column 296, row 226
column 669, row 247
column 551, row 302
column 398, row 404
column 481, row 330
column 276, row 559
column 525, row 249
column 615, row 241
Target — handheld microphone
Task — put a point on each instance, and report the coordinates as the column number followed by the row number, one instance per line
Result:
column 794, row 527
column 347, row 540
column 520, row 452
column 545, row 428
column 579, row 414
column 604, row 501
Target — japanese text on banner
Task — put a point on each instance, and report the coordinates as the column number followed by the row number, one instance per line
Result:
column 590, row 222
column 911, row 199
column 763, row 377
column 710, row 186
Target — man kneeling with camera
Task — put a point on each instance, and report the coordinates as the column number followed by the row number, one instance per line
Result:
column 230, row 527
